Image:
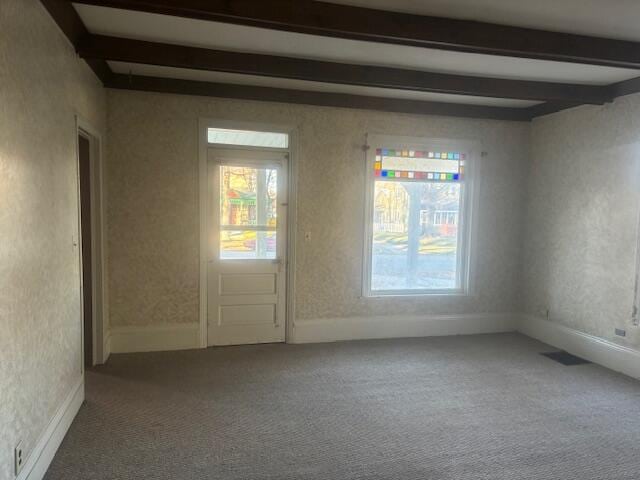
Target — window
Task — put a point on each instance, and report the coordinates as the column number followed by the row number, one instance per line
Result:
column 249, row 166
column 248, row 210
column 225, row 136
column 417, row 204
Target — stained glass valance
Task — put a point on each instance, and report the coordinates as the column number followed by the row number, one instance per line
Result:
column 419, row 165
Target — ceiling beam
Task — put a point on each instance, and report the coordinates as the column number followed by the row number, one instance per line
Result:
column 71, row 25
column 325, row 99
column 625, row 87
column 179, row 56
column 549, row 107
column 343, row 21
column 614, row 90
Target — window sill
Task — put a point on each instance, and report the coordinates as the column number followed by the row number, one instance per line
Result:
column 418, row 294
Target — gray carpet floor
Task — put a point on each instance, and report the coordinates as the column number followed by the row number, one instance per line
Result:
column 469, row 407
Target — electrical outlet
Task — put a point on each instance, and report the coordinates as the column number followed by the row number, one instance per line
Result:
column 18, row 456
column 620, row 332
column 548, row 314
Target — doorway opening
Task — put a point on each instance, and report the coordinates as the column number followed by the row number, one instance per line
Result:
column 90, row 204
column 84, row 160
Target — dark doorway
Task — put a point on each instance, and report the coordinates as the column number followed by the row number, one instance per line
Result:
column 84, row 158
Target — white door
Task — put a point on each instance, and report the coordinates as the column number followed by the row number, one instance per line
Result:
column 246, row 272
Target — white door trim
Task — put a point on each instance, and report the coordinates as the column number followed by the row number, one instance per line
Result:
column 98, row 240
column 203, row 145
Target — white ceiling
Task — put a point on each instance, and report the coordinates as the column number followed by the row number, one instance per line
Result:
column 236, row 79
column 601, row 18
column 183, row 31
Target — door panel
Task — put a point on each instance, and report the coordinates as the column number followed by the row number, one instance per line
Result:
column 247, row 234
column 248, row 314
column 248, row 284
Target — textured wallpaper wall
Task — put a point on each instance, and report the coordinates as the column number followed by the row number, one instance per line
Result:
column 579, row 232
column 153, row 206
column 42, row 86
column 582, row 218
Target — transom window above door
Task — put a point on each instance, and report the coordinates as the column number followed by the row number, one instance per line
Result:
column 247, row 138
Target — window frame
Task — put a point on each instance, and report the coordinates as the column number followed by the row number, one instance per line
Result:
column 466, row 226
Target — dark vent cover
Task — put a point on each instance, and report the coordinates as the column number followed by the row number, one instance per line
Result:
column 565, row 358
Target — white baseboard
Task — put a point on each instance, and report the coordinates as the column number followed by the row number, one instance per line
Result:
column 155, row 338
column 396, row 326
column 595, row 349
column 41, row 456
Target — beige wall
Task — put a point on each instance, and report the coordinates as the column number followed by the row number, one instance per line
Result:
column 582, row 218
column 153, row 206
column 42, row 86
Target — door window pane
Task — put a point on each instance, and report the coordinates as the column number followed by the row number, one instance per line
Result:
column 248, row 212
column 247, row 244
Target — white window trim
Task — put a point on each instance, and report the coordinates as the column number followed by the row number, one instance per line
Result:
column 635, row 308
column 467, row 217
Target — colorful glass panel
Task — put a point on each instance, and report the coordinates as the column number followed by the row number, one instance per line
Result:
column 419, row 165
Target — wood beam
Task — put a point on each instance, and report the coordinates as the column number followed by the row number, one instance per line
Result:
column 137, row 51
column 71, row 25
column 614, row 90
column 625, row 87
column 268, row 94
column 343, row 21
column 549, row 107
